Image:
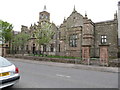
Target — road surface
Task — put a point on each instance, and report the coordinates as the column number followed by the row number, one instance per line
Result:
column 36, row 75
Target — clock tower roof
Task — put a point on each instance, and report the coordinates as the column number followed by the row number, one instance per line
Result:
column 44, row 15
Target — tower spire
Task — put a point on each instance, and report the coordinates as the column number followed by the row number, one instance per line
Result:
column 115, row 15
column 74, row 9
column 86, row 15
column 44, row 8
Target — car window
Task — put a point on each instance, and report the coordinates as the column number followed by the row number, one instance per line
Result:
column 4, row 62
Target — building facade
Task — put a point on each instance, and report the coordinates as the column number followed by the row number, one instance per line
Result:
column 76, row 36
column 32, row 46
column 78, row 31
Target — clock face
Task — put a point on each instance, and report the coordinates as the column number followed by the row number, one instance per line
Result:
column 41, row 16
column 46, row 17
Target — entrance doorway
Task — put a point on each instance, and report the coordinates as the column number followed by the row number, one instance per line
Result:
column 118, row 54
column 34, row 49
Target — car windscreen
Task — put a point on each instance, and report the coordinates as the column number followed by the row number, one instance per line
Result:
column 4, row 62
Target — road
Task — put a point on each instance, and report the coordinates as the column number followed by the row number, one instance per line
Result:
column 36, row 75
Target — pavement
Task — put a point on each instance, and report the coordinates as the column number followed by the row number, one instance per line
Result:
column 67, row 65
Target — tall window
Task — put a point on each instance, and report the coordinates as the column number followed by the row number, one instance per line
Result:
column 44, row 48
column 27, row 47
column 59, row 35
column 33, row 35
column 59, row 47
column 103, row 39
column 73, row 40
column 52, row 48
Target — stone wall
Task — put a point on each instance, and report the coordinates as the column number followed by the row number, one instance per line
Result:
column 108, row 28
column 113, row 63
column 72, row 25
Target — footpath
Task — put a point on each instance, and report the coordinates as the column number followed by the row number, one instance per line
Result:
column 67, row 65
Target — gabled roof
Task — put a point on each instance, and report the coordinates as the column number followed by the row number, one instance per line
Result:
column 74, row 15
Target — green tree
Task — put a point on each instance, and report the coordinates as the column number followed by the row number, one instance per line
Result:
column 20, row 40
column 43, row 34
column 6, row 33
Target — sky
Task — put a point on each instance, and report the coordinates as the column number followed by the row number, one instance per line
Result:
column 26, row 12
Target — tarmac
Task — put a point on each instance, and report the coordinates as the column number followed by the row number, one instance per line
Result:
column 67, row 65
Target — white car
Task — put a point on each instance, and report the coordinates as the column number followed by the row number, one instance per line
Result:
column 9, row 74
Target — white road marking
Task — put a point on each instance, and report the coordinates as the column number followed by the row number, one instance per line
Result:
column 68, row 76
column 60, row 75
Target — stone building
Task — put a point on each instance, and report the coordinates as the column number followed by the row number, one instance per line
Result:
column 106, row 32
column 32, row 46
column 119, row 27
column 77, row 36
column 119, row 22
column 79, row 33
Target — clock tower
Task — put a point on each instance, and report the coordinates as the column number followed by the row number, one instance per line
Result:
column 44, row 16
